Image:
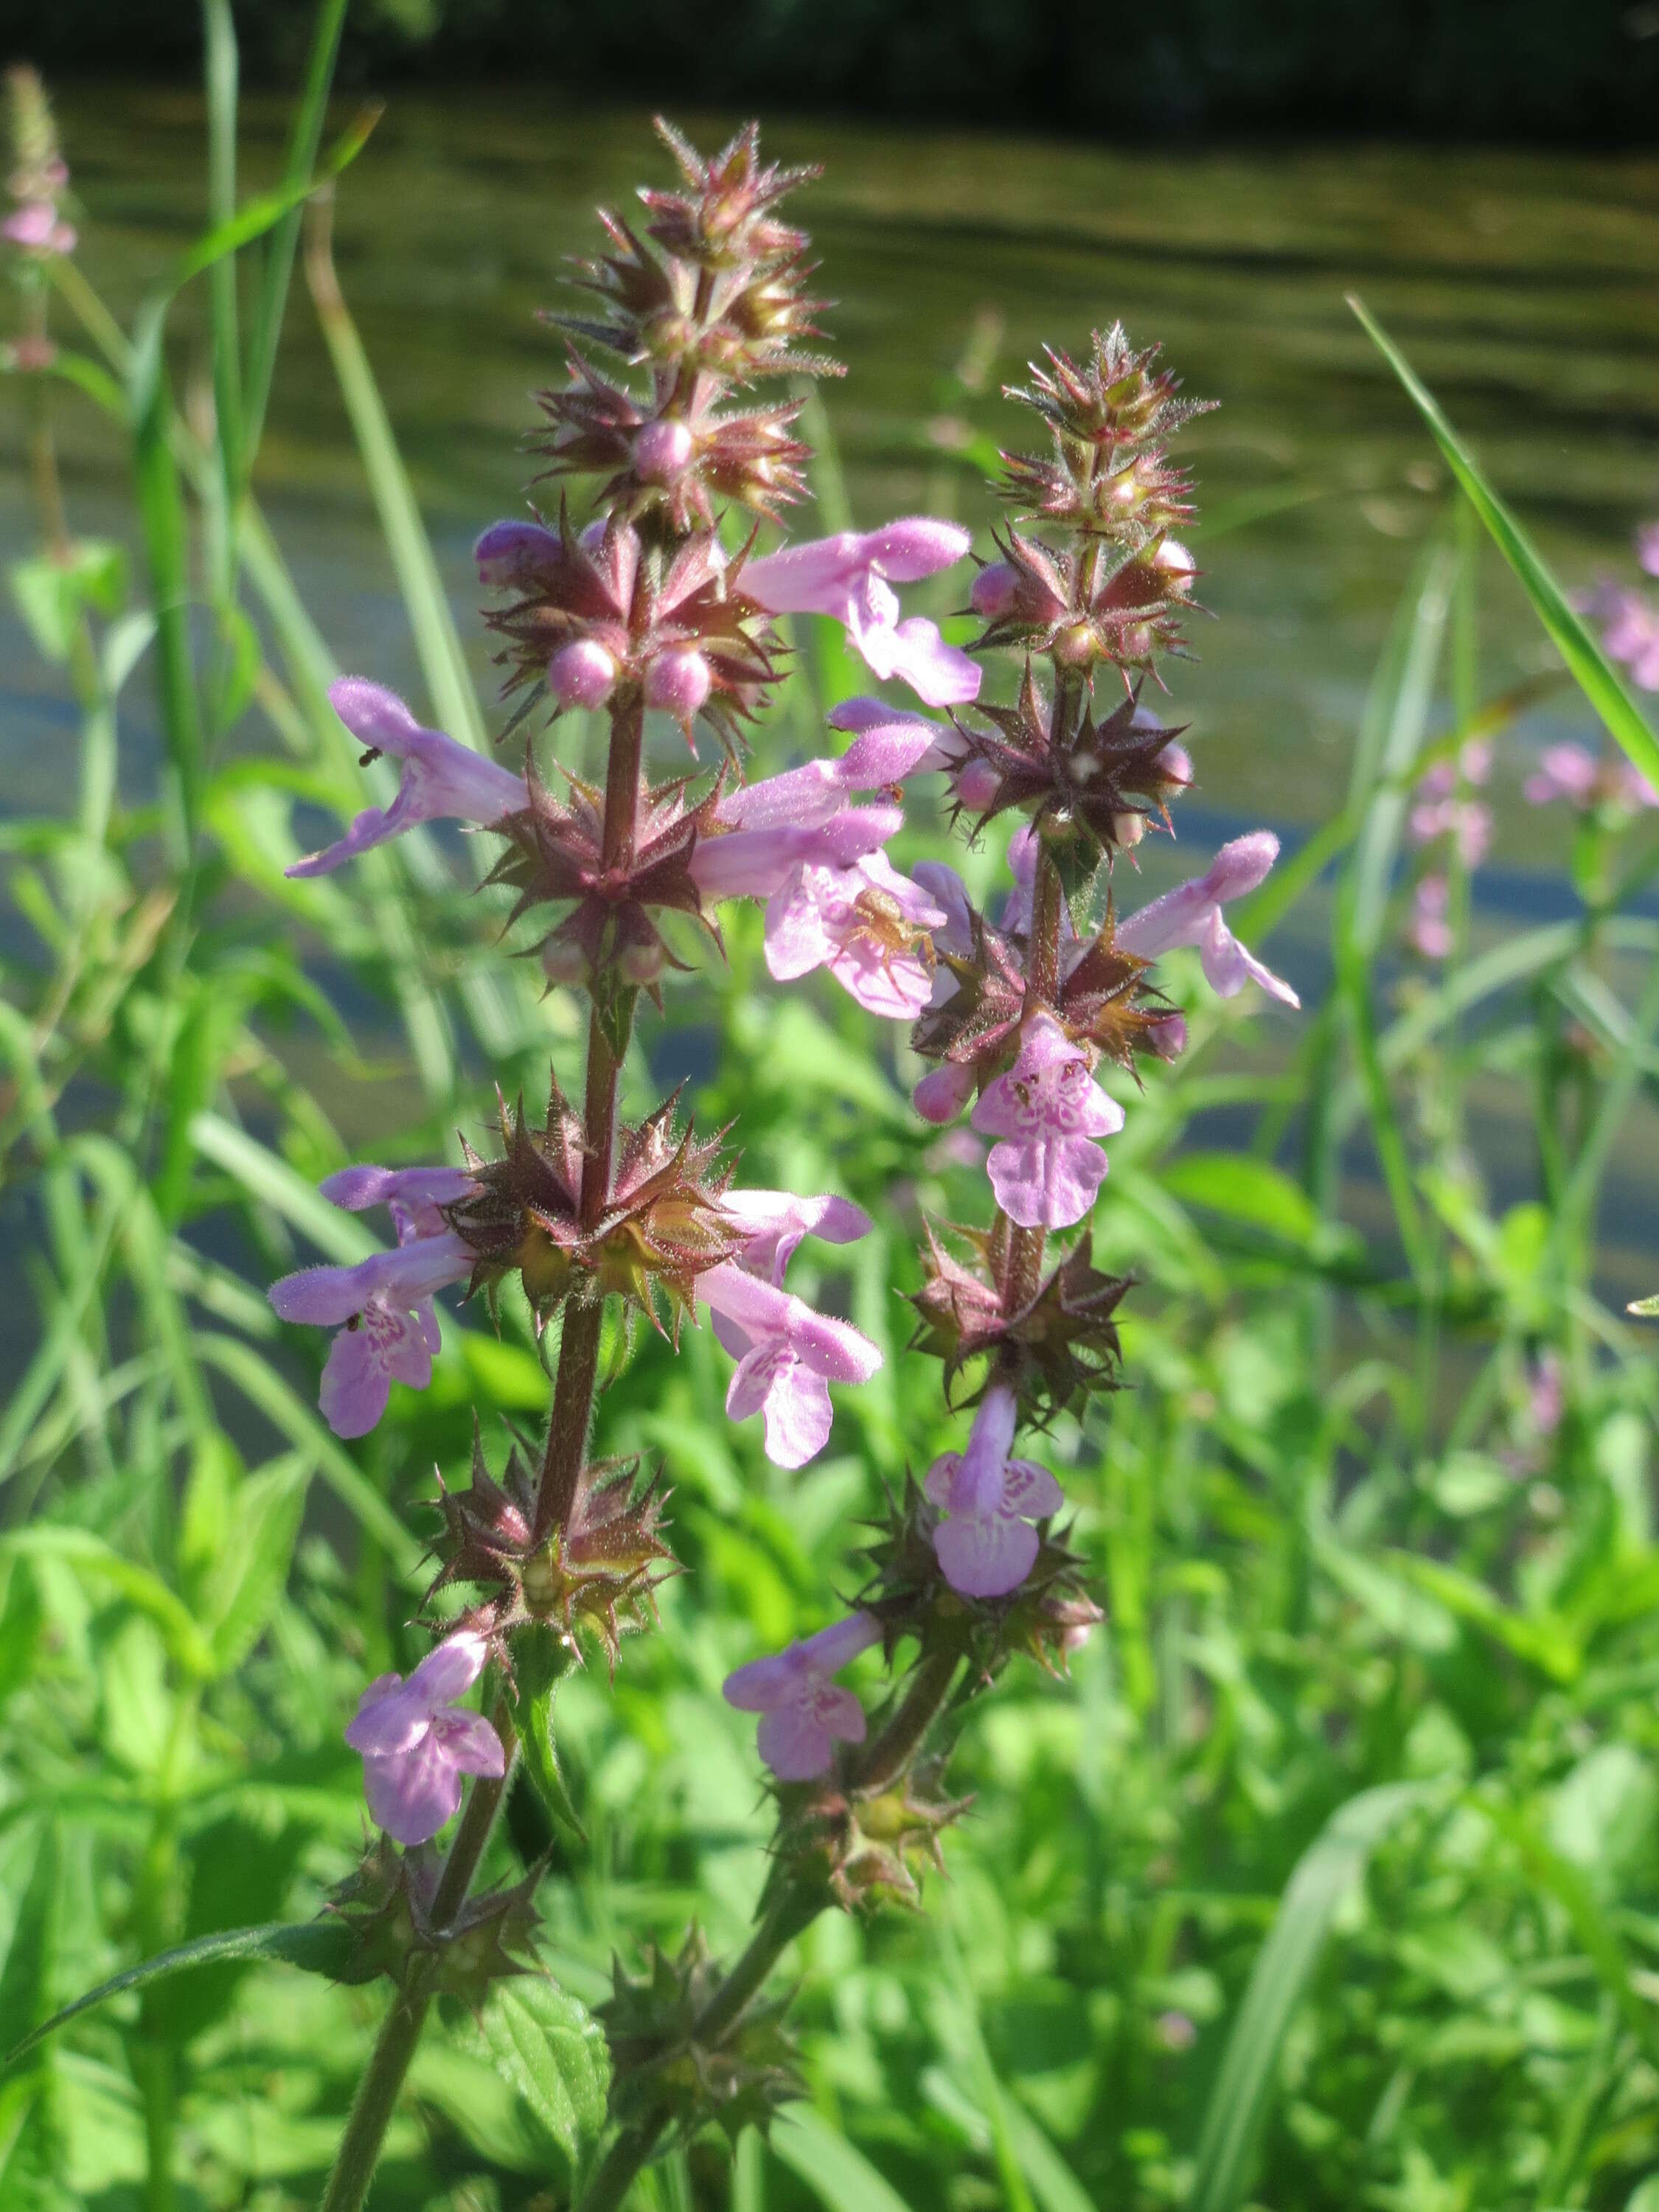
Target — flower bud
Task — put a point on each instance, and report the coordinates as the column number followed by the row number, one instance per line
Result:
column 1166, row 1039
column 677, row 682
column 581, row 674
column 661, row 451
column 996, row 590
column 1077, row 645
column 941, row 1094
column 977, row 786
column 1127, row 830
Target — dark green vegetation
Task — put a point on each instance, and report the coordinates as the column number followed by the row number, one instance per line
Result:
column 1331, row 1879
column 1506, row 69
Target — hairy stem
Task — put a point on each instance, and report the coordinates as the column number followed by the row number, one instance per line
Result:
column 377, row 2095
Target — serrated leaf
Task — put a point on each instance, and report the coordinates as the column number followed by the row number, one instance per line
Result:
column 549, row 2048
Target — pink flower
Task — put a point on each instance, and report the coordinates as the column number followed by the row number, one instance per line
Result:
column 776, row 1221
column 1048, row 1109
column 37, row 227
column 1647, row 548
column 804, row 1713
column 848, row 578
column 788, row 1355
column 440, row 778
column 1467, row 821
column 1632, row 635
column 1570, row 773
column 943, row 1092
column 382, row 1307
column 1428, row 930
column 864, row 922
column 1191, row 915
column 987, row 1546
column 1547, row 1397
column 416, row 1745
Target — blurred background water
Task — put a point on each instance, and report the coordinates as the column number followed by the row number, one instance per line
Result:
column 1521, row 283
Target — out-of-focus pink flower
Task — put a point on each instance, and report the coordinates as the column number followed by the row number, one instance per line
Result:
column 1546, row 1393
column 1048, row 1110
column 441, row 779
column 1191, row 915
column 987, row 1545
column 416, row 1744
column 1632, row 634
column 1472, row 766
column 804, row 1712
column 1429, row 931
column 381, row 1307
column 38, row 229
column 788, row 1355
column 1467, row 821
column 1647, row 548
column 1568, row 772
column 850, row 578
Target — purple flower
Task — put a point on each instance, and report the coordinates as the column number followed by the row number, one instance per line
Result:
column 849, row 578
column 382, row 1309
column 1647, row 548
column 1048, row 1109
column 774, row 1222
column 413, row 1196
column 886, row 750
column 804, row 1713
column 1191, row 915
column 863, row 922
column 440, row 778
column 943, row 1092
column 416, row 1745
column 788, row 1355
column 987, row 1546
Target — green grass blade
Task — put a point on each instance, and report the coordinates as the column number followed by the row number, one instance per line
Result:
column 319, row 1947
column 837, row 2174
column 303, row 142
column 223, row 69
column 1592, row 670
column 437, row 641
column 1245, row 2085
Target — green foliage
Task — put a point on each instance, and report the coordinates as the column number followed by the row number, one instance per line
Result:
column 1332, row 1878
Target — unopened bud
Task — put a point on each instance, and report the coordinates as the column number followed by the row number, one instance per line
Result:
column 1167, row 1039
column 996, row 589
column 1127, row 830
column 581, row 674
column 563, row 960
column 941, row 1095
column 1077, row 645
column 661, row 451
column 977, row 786
column 642, row 962
column 677, row 682
column 509, row 553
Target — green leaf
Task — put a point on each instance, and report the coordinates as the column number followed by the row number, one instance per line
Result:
column 53, row 595
column 548, row 2047
column 89, row 1555
column 317, row 1946
column 1245, row 1189
column 1247, row 2082
column 540, row 1661
column 837, row 2174
column 252, row 1573
column 1592, row 670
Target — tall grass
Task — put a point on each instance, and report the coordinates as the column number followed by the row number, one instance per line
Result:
column 1332, row 1880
